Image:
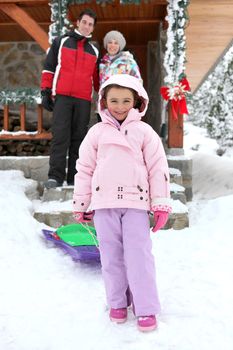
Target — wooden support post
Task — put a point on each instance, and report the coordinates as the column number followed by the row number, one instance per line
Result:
column 40, row 119
column 6, row 118
column 175, row 130
column 23, row 117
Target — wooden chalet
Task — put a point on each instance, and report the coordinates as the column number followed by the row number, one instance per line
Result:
column 29, row 20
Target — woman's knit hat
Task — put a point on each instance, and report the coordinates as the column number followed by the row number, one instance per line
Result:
column 115, row 35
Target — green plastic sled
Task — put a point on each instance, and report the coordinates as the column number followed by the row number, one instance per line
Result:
column 78, row 235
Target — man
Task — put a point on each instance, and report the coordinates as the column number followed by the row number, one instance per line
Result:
column 70, row 71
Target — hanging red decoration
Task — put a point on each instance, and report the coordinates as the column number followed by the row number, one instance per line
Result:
column 176, row 93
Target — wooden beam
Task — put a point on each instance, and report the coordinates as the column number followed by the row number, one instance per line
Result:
column 101, row 21
column 154, row 2
column 45, row 135
column 27, row 23
column 2, row 24
column 129, row 21
column 23, row 1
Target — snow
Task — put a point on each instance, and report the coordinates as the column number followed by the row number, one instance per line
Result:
column 49, row 302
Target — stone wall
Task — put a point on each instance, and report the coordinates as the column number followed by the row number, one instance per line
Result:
column 23, row 148
column 20, row 64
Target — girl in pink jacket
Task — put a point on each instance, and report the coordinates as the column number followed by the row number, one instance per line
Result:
column 122, row 174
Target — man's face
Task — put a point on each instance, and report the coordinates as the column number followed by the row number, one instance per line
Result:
column 86, row 25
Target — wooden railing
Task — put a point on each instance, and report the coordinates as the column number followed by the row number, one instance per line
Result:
column 39, row 134
column 175, row 128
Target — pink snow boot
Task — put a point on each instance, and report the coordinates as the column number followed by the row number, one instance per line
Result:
column 118, row 315
column 147, row 323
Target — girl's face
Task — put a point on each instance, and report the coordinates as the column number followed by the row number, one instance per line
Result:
column 113, row 47
column 119, row 101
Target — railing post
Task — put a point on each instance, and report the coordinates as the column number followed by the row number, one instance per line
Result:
column 6, row 118
column 23, row 117
column 175, row 130
column 40, row 118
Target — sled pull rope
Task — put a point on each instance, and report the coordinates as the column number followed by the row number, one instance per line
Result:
column 91, row 233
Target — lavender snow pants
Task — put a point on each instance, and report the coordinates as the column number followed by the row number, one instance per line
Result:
column 126, row 258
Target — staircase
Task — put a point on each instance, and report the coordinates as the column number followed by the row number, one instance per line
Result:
column 208, row 34
column 60, row 200
column 54, row 206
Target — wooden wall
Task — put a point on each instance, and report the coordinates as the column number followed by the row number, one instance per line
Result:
column 209, row 32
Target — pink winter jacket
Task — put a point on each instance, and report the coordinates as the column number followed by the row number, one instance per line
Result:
column 121, row 166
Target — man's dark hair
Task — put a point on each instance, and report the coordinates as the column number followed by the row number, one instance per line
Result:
column 88, row 12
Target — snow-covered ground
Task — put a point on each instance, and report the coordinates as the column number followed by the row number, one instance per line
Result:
column 49, row 302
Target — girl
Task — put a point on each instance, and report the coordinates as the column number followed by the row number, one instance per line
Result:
column 116, row 61
column 122, row 173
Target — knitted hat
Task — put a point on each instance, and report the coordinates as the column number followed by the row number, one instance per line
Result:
column 115, row 35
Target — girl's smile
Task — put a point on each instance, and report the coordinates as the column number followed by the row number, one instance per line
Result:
column 119, row 101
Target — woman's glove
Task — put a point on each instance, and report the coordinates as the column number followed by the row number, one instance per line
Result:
column 47, row 100
column 82, row 217
column 160, row 218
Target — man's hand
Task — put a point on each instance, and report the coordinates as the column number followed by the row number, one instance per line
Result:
column 47, row 100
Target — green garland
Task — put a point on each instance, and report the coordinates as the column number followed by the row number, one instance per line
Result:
column 20, row 96
column 175, row 58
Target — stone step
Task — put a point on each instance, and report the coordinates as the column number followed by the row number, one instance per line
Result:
column 177, row 192
column 184, row 164
column 55, row 205
column 36, row 168
column 60, row 194
column 61, row 214
column 175, row 176
column 65, row 193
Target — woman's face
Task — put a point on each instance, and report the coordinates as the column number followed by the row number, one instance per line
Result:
column 119, row 101
column 113, row 47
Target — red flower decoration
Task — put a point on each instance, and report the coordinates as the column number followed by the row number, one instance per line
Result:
column 177, row 94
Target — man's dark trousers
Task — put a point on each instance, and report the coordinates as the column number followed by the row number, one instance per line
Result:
column 71, row 117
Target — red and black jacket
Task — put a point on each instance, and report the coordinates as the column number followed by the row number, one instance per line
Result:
column 71, row 67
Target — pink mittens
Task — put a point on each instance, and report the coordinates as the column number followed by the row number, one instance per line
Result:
column 160, row 218
column 83, row 217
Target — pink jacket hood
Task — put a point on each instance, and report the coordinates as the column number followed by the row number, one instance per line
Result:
column 127, row 81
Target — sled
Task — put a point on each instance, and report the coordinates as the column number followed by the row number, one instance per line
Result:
column 77, row 240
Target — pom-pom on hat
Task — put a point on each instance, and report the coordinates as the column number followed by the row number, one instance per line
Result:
column 115, row 35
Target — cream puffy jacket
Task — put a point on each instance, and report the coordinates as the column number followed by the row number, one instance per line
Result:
column 121, row 166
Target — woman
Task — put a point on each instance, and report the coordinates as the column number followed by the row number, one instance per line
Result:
column 116, row 61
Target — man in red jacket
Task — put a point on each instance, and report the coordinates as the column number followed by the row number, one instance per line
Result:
column 70, row 72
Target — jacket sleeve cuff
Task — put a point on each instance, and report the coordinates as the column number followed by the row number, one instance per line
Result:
column 163, row 204
column 47, row 80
